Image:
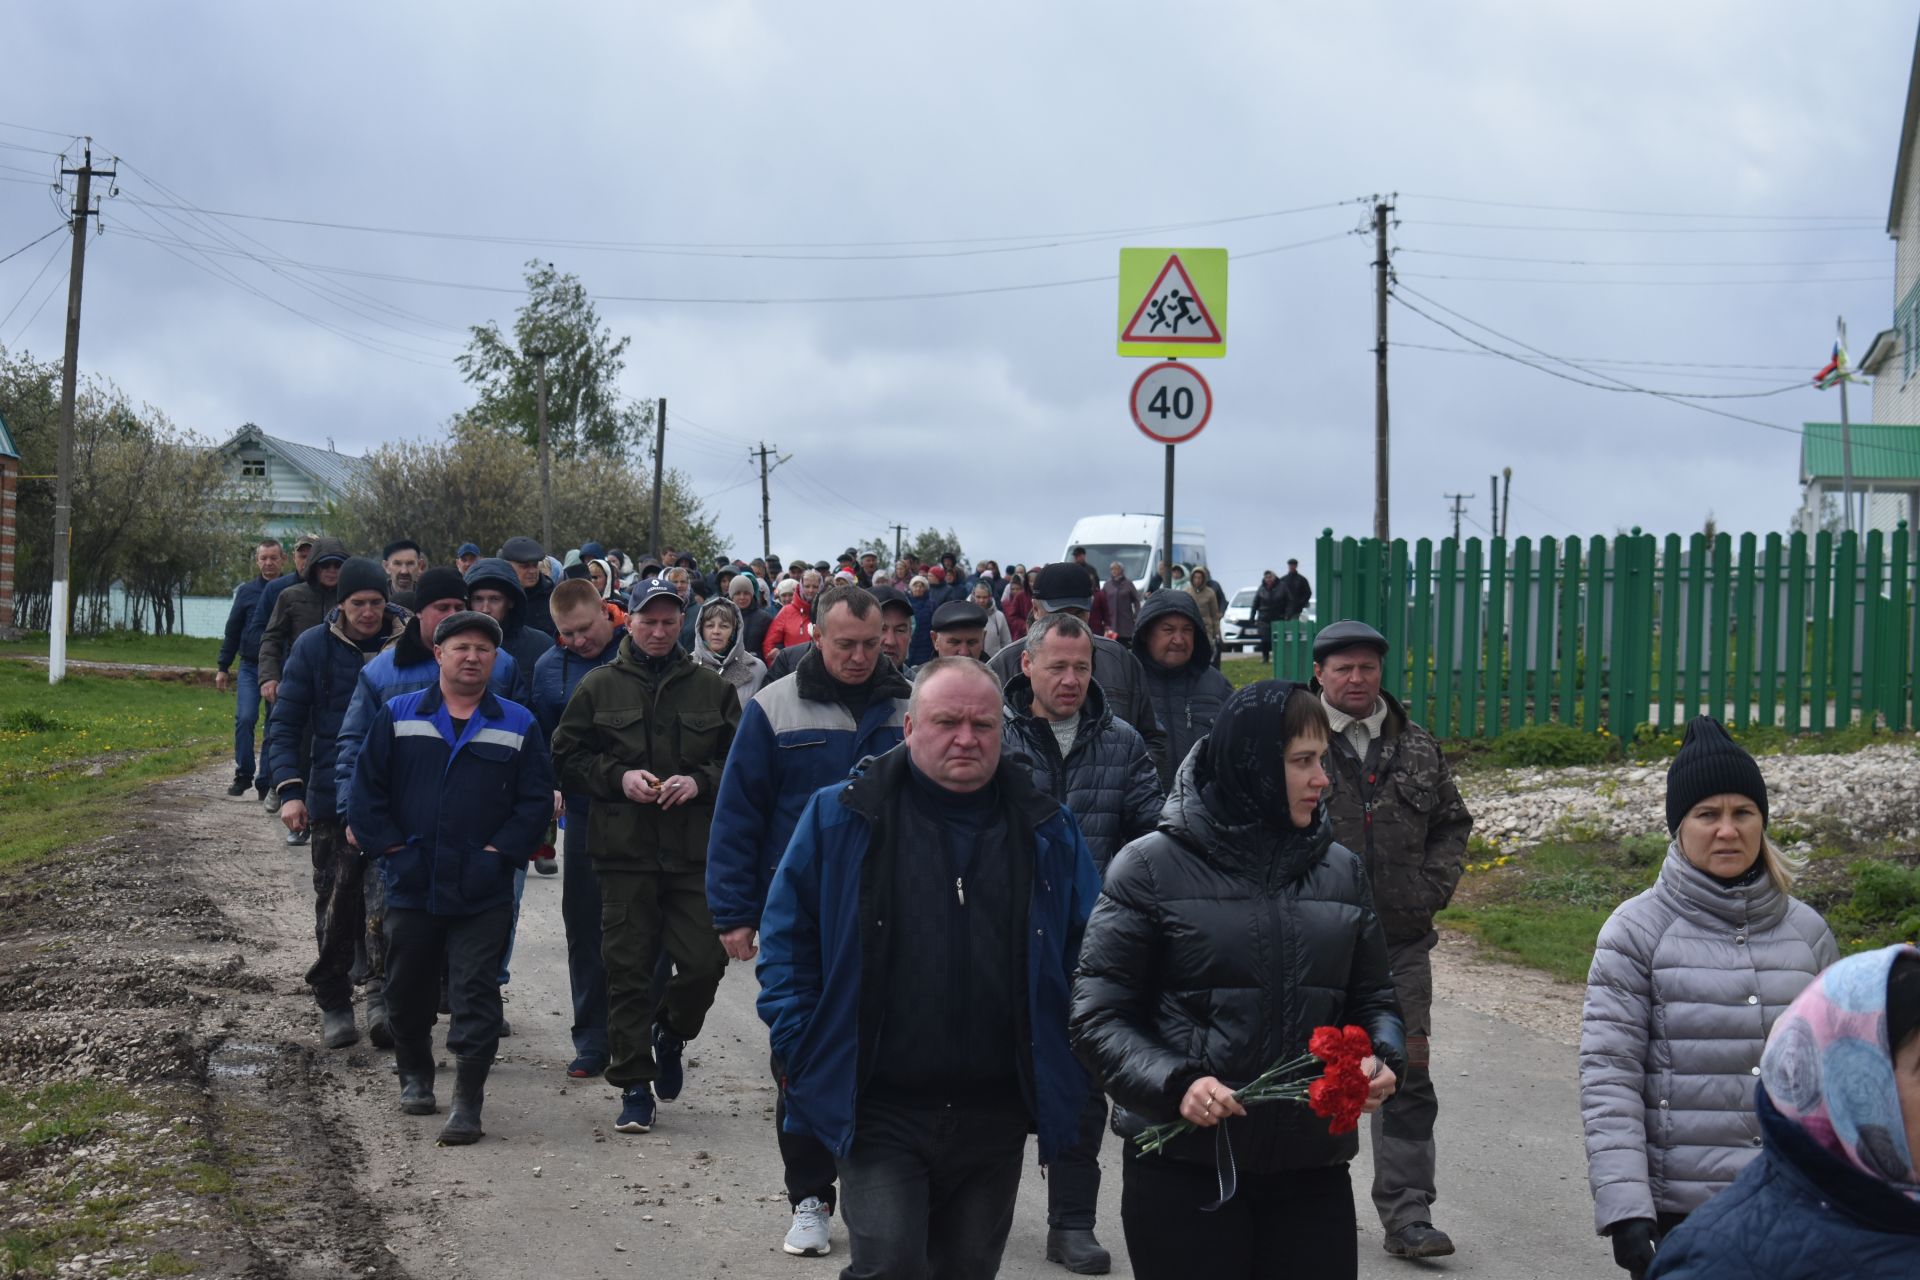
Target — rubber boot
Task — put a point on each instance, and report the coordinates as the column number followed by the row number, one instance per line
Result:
column 469, row 1092
column 336, row 1028
column 379, row 1027
column 416, row 1092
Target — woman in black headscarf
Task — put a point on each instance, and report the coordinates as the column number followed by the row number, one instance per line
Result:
column 1219, row 943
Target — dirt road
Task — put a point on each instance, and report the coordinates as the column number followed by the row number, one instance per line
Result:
column 173, row 963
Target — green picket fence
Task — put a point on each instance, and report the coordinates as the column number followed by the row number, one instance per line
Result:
column 1809, row 634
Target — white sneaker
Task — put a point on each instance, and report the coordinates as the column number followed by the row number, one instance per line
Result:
column 807, row 1237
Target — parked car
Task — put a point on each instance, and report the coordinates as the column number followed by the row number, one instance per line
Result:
column 1238, row 632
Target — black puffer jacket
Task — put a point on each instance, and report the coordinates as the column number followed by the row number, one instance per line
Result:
column 1107, row 780
column 1187, row 699
column 1216, row 950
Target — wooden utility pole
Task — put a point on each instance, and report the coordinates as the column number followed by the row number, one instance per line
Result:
column 1459, row 508
column 659, row 471
column 1381, row 262
column 899, row 530
column 546, row 456
column 69, row 375
column 766, row 503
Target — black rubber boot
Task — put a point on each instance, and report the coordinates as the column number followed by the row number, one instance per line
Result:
column 379, row 1026
column 469, row 1092
column 416, row 1092
column 1078, row 1252
column 336, row 1028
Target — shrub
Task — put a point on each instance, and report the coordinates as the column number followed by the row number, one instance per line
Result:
column 1553, row 746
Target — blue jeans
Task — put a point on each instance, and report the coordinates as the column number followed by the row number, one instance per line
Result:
column 513, row 927
column 246, row 718
column 580, row 912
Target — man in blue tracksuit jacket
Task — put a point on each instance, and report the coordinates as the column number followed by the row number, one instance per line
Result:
column 452, row 796
column 917, row 952
column 800, row 733
column 588, row 639
column 242, row 640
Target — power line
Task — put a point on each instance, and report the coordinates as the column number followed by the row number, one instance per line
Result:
column 1667, row 283
column 29, row 244
column 1645, row 213
column 1647, row 262
column 1637, row 366
column 1646, row 231
column 28, row 291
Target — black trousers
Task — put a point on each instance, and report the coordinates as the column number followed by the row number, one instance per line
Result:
column 642, row 912
column 1073, row 1183
column 928, row 1191
column 580, row 913
column 1294, row 1224
column 344, row 949
column 810, row 1168
column 473, row 946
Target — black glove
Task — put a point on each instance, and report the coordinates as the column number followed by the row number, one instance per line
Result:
column 1632, row 1244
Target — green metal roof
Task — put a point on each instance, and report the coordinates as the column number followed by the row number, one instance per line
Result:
column 8, row 449
column 1880, row 452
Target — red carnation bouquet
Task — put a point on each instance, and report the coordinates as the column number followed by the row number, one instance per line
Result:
column 1339, row 1092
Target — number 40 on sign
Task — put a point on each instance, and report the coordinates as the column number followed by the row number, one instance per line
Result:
column 1171, row 402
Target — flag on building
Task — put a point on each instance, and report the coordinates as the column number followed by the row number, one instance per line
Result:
column 1834, row 371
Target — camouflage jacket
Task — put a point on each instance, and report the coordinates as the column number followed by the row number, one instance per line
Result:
column 1400, row 810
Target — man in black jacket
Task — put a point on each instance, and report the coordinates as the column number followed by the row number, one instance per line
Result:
column 268, row 558
column 529, row 561
column 1186, row 689
column 1298, row 592
column 1058, row 724
column 1065, row 587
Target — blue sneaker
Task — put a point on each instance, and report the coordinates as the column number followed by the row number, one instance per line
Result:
column 672, row 1072
column 586, row 1066
column 636, row 1110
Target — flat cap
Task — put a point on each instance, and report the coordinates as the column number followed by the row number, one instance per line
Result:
column 958, row 615
column 522, row 550
column 464, row 621
column 1347, row 635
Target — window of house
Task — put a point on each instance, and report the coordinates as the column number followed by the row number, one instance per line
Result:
column 253, row 468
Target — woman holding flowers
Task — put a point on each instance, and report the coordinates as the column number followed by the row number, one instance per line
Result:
column 1220, row 944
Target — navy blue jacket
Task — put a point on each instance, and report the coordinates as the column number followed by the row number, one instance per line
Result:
column 823, row 942
column 262, row 612
column 1796, row 1213
column 558, row 674
column 316, row 684
column 407, row 667
column 786, row 748
column 240, row 624
column 428, row 803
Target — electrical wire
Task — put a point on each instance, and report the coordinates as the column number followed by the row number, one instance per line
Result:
column 1638, row 213
column 44, row 299
column 1651, row 262
column 1649, row 231
column 1606, row 283
column 28, row 245
column 26, row 292
column 1632, row 366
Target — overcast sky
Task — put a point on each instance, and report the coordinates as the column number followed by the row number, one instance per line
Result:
column 965, row 128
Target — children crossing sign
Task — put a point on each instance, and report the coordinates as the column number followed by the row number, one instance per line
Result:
column 1173, row 302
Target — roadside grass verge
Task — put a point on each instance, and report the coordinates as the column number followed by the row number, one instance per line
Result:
column 68, row 751
column 122, row 646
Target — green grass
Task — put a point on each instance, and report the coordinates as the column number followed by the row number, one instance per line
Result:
column 123, row 646
column 1556, row 940
column 1245, row 671
column 49, row 1113
column 1543, row 907
column 54, row 737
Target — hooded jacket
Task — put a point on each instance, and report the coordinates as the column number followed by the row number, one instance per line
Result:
column 519, row 636
column 1216, row 949
column 407, row 666
column 1687, row 980
column 794, row 739
column 669, row 716
column 825, row 941
column 1826, row 1195
column 1107, row 780
column 1186, row 699
column 737, row 666
column 792, row 625
column 1119, row 677
column 298, row 608
column 316, row 688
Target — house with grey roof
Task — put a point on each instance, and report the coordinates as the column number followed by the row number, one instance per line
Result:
column 301, row 479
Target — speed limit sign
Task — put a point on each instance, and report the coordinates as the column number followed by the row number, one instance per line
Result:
column 1171, row 402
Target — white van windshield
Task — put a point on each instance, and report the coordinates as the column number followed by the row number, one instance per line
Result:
column 1132, row 558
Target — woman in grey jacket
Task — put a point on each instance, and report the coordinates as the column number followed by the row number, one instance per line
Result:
column 1687, row 980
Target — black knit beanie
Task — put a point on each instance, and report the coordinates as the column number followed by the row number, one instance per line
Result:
column 1903, row 998
column 361, row 574
column 442, row 583
column 1709, row 763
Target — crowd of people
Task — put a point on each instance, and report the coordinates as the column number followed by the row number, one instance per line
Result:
column 1013, row 857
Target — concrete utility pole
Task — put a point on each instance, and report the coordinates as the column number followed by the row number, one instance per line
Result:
column 1381, row 264
column 546, row 450
column 1506, row 502
column 1493, row 501
column 659, row 470
column 1846, row 428
column 766, row 503
column 899, row 530
column 1459, row 508
column 69, row 375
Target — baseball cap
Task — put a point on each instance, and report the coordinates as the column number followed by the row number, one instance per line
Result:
column 645, row 593
column 1349, row 634
column 467, row 549
column 1063, row 586
column 892, row 598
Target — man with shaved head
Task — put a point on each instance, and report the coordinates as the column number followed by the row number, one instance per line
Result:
column 917, row 945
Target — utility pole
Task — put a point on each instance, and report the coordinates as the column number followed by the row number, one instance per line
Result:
column 69, row 372
column 546, row 467
column 1459, row 508
column 898, row 531
column 1493, row 500
column 1846, row 427
column 766, row 503
column 659, row 472
column 1381, row 264
column 1506, row 502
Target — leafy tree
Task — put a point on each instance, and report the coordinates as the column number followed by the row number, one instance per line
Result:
column 586, row 413
column 930, row 544
column 481, row 486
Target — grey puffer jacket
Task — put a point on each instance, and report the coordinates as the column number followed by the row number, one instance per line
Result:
column 1107, row 780
column 738, row 667
column 1686, row 982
